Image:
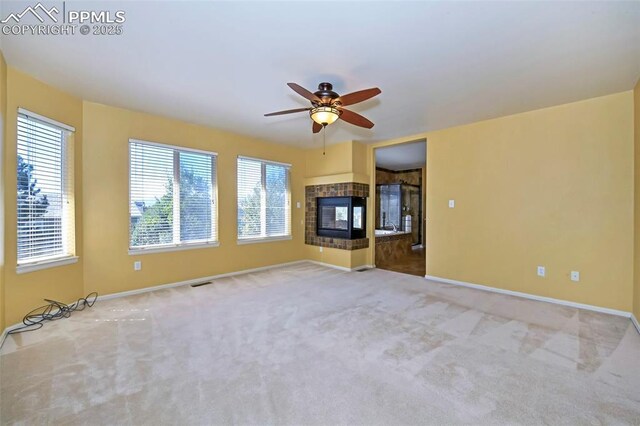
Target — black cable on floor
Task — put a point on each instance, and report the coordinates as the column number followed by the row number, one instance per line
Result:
column 54, row 310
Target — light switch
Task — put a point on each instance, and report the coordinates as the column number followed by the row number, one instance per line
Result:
column 137, row 265
column 298, row 204
column 452, row 203
column 575, row 276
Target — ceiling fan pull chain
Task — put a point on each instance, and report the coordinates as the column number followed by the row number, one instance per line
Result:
column 324, row 139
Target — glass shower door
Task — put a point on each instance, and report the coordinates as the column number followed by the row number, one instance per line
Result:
column 390, row 205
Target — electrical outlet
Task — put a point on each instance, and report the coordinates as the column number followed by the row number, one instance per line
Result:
column 541, row 271
column 298, row 205
column 452, row 203
column 321, row 249
column 137, row 265
column 575, row 276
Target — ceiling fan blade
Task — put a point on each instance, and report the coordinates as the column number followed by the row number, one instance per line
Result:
column 362, row 95
column 355, row 119
column 316, row 127
column 304, row 92
column 289, row 111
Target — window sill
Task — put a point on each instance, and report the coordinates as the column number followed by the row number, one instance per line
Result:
column 263, row 240
column 164, row 249
column 45, row 264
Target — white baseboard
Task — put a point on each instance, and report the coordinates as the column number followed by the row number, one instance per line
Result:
column 6, row 331
column 228, row 274
column 533, row 297
column 196, row 280
column 341, row 268
column 629, row 315
column 329, row 265
column 635, row 322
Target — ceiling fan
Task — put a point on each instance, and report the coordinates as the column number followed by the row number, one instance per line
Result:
column 328, row 106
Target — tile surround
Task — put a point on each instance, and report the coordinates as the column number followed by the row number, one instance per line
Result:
column 344, row 189
column 391, row 249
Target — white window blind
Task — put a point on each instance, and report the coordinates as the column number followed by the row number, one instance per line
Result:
column 45, row 202
column 172, row 198
column 264, row 208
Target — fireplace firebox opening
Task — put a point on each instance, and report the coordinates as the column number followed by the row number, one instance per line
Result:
column 341, row 217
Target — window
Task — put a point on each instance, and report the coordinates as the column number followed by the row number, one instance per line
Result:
column 172, row 197
column 264, row 208
column 45, row 204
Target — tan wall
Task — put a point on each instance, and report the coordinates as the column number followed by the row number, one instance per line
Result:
column 551, row 187
column 332, row 256
column 101, row 175
column 343, row 162
column 636, row 275
column 335, row 159
column 24, row 292
column 336, row 162
column 3, row 126
column 108, row 267
column 359, row 159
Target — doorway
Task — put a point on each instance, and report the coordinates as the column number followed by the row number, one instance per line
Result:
column 399, row 205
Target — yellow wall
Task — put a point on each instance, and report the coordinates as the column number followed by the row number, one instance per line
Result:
column 636, row 275
column 343, row 162
column 108, row 268
column 24, row 292
column 350, row 259
column 359, row 159
column 333, row 160
column 101, row 175
column 551, row 187
column 346, row 160
column 3, row 125
column 331, row 256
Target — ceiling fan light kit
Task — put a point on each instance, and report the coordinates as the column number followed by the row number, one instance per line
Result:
column 324, row 115
column 327, row 106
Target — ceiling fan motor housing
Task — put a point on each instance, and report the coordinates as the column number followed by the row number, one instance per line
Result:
column 326, row 94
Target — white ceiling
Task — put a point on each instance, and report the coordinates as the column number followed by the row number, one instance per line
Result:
column 402, row 157
column 439, row 64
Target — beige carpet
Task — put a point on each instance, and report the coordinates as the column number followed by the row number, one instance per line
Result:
column 311, row 345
